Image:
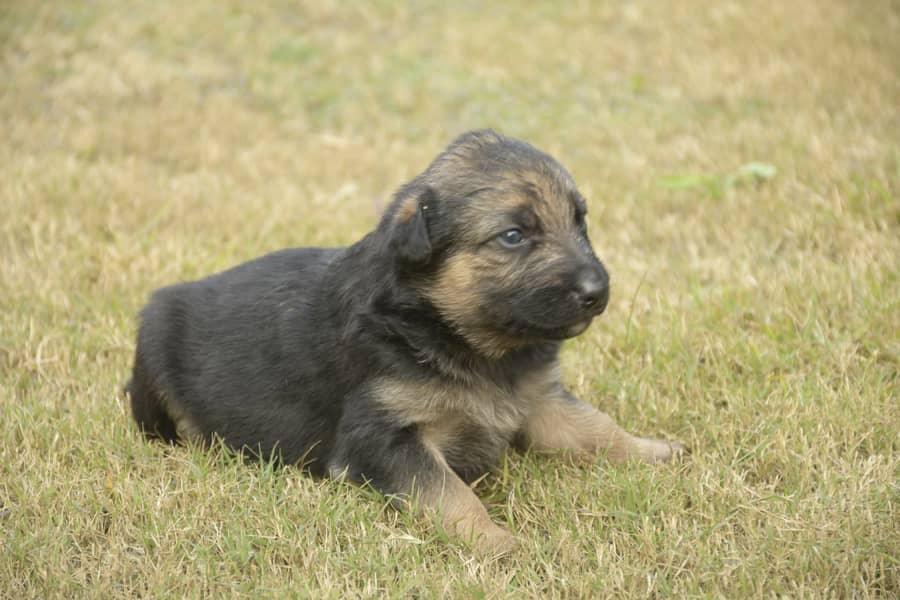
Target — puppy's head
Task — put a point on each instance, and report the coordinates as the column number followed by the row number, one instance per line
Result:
column 493, row 235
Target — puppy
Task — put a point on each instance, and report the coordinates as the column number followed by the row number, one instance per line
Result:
column 410, row 360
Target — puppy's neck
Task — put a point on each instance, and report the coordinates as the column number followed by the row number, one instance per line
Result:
column 430, row 341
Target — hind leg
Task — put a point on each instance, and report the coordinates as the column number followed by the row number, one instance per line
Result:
column 148, row 407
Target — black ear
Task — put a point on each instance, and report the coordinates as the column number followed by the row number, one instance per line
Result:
column 410, row 242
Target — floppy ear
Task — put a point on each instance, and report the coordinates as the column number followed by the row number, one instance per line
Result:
column 410, row 241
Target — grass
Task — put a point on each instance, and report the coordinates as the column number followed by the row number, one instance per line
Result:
column 742, row 161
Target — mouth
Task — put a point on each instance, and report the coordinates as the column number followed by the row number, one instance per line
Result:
column 578, row 328
column 539, row 319
column 566, row 332
column 528, row 330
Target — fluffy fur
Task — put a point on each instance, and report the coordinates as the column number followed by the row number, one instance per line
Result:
column 410, row 360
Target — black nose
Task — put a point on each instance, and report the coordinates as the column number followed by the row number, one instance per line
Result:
column 592, row 290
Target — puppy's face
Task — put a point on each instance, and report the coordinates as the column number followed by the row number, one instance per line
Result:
column 516, row 265
column 521, row 267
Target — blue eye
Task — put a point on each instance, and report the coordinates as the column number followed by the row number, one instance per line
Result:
column 511, row 238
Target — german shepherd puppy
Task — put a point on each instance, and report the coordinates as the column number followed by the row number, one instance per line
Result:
column 410, row 360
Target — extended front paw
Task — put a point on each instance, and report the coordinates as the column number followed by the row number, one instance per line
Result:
column 481, row 534
column 494, row 541
column 656, row 451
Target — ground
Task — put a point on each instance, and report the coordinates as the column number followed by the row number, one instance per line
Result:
column 742, row 165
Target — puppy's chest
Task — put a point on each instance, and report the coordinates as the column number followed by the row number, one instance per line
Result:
column 470, row 424
column 470, row 448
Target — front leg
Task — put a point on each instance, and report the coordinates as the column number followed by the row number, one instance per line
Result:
column 461, row 512
column 402, row 463
column 559, row 421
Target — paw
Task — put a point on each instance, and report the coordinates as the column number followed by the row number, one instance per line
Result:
column 677, row 451
column 657, row 451
column 494, row 542
column 481, row 535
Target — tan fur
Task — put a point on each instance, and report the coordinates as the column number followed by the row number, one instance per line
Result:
column 407, row 210
column 186, row 429
column 443, row 406
column 461, row 512
column 440, row 410
column 548, row 418
column 562, row 423
column 547, row 192
column 454, row 293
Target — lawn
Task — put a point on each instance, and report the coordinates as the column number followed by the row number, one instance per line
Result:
column 742, row 166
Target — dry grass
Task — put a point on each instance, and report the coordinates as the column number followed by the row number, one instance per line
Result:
column 754, row 317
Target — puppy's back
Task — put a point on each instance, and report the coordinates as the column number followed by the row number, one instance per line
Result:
column 236, row 354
